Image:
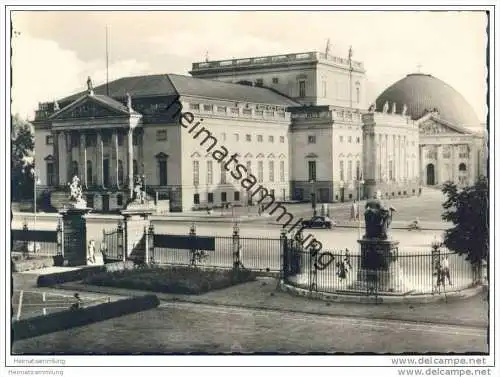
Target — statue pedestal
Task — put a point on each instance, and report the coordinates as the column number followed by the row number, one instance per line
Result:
column 74, row 235
column 379, row 268
column 136, row 217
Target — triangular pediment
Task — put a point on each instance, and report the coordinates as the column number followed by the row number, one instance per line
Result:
column 439, row 127
column 91, row 106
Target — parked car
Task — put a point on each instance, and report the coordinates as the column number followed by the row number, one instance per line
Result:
column 319, row 222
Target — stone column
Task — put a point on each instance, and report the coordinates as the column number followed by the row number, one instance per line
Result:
column 114, row 158
column 99, row 159
column 62, row 158
column 439, row 156
column 130, row 162
column 55, row 138
column 83, row 160
column 421, row 164
column 454, row 168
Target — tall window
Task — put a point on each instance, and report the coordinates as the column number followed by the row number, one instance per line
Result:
column 249, row 167
column 223, row 174
column 358, row 170
column 162, row 167
column 210, row 172
column 260, row 138
column 120, row 172
column 312, row 170
column 260, row 171
column 271, row 138
column 349, row 170
column 271, row 171
column 51, row 174
column 196, row 198
column 74, row 169
column 210, row 197
column 282, row 171
column 90, row 180
column 223, row 197
column 323, row 85
column 196, row 173
column 302, row 89
column 341, row 169
column 135, row 168
column 357, row 94
column 311, row 139
column 282, row 139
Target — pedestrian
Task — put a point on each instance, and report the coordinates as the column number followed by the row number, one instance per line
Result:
column 78, row 304
column 353, row 210
column 347, row 259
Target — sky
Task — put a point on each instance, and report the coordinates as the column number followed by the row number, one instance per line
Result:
column 53, row 53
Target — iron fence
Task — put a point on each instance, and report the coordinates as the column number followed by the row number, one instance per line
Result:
column 36, row 242
column 259, row 254
column 402, row 273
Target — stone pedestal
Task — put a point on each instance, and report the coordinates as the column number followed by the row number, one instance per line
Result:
column 136, row 218
column 74, row 236
column 379, row 268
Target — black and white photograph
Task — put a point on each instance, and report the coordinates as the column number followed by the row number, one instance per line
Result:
column 247, row 185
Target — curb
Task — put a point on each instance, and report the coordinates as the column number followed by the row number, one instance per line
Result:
column 133, row 293
column 356, row 226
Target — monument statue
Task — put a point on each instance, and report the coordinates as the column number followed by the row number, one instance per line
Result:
column 378, row 219
column 90, row 87
column 405, row 109
column 386, row 107
column 76, row 195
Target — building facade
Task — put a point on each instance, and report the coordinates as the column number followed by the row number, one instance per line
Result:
column 299, row 123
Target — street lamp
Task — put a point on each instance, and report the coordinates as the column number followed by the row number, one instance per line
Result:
column 360, row 183
column 36, row 180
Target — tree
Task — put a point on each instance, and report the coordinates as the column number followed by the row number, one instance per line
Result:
column 21, row 158
column 468, row 210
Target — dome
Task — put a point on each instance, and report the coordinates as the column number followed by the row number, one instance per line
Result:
column 423, row 93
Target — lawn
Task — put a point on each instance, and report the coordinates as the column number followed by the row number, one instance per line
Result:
column 178, row 279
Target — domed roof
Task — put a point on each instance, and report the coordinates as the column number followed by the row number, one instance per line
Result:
column 423, row 93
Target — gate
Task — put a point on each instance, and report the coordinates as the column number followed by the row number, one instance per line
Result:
column 112, row 244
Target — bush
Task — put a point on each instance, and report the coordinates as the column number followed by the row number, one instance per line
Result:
column 67, row 276
column 20, row 264
column 181, row 280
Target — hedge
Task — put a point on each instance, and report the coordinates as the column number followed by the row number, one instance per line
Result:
column 21, row 265
column 63, row 320
column 82, row 273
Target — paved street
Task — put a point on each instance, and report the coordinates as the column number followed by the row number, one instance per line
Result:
column 184, row 327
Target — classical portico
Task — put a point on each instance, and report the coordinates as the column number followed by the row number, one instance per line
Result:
column 448, row 152
column 94, row 138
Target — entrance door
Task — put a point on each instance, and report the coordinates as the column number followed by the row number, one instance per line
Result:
column 431, row 179
column 105, row 202
column 324, row 195
column 105, row 172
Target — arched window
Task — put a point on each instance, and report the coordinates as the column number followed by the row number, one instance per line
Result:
column 90, row 180
column 357, row 95
column 462, row 167
column 74, row 169
column 135, row 168
column 120, row 172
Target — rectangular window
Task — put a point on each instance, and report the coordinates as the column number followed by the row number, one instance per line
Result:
column 223, row 197
column 349, row 139
column 357, row 140
column 236, row 137
column 161, row 135
column 311, row 139
column 208, row 107
column 282, row 171
column 194, row 106
column 260, row 138
column 275, row 80
column 49, row 140
column 271, row 171
column 210, row 172
column 271, row 139
column 341, row 169
column 282, row 139
column 248, row 137
column 236, row 196
column 312, row 170
column 341, row 138
column 302, row 89
column 358, row 170
column 162, row 167
column 223, row 174
column 223, row 136
column 260, row 171
column 210, row 197
column 259, row 82
column 249, row 167
column 357, row 95
column 323, row 84
column 349, row 170
column 196, row 198
column 196, row 173
column 51, row 174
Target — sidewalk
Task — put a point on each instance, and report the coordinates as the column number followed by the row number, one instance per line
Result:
column 400, row 225
column 262, row 294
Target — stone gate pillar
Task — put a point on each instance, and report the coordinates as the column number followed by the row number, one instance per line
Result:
column 74, row 236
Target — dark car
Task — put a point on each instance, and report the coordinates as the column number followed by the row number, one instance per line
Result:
column 319, row 222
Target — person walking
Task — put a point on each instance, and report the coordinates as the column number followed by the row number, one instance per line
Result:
column 445, row 270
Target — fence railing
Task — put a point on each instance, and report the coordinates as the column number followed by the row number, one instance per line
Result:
column 37, row 242
column 402, row 273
